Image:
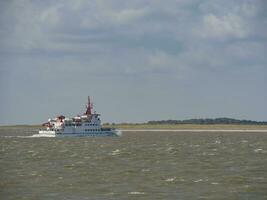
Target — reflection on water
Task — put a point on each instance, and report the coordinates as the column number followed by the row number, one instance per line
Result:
column 138, row 165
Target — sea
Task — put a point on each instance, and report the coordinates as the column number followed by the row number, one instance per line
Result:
column 136, row 165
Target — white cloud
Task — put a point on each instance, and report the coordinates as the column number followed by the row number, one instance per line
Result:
column 50, row 16
column 129, row 15
column 246, row 53
column 108, row 18
column 224, row 26
column 249, row 9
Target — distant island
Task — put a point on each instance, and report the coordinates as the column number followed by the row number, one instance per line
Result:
column 223, row 120
column 199, row 121
column 205, row 123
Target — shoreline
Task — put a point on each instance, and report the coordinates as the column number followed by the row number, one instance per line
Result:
column 196, row 130
column 190, row 127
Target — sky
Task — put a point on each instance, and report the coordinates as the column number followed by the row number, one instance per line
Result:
column 139, row 60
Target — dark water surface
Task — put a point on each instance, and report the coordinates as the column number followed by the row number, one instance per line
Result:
column 138, row 165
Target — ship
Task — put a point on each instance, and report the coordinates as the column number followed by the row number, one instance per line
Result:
column 87, row 124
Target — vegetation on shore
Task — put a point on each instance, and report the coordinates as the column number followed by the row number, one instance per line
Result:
column 218, row 123
column 187, row 126
column 222, row 120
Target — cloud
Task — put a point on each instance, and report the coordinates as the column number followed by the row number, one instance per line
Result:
column 231, row 20
column 50, row 16
column 186, row 32
column 226, row 26
column 169, row 48
column 115, row 18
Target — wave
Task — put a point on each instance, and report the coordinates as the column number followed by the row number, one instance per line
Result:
column 28, row 136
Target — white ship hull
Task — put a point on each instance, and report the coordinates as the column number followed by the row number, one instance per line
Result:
column 52, row 133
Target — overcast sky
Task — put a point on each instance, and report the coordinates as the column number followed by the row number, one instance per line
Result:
column 140, row 60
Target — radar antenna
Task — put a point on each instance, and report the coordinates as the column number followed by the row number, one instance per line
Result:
column 89, row 107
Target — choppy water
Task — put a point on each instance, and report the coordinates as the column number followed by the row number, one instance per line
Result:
column 138, row 165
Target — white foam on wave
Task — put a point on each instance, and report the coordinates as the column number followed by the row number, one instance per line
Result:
column 40, row 135
column 27, row 136
column 118, row 132
column 136, row 193
column 259, row 151
column 170, row 179
column 199, row 180
column 215, row 183
column 115, row 152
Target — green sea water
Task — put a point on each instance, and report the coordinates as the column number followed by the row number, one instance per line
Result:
column 137, row 165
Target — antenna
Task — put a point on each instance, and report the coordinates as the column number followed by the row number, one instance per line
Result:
column 89, row 107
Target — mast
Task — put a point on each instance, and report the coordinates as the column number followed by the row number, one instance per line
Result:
column 89, row 107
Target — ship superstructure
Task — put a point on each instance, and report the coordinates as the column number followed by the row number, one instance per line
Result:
column 87, row 124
